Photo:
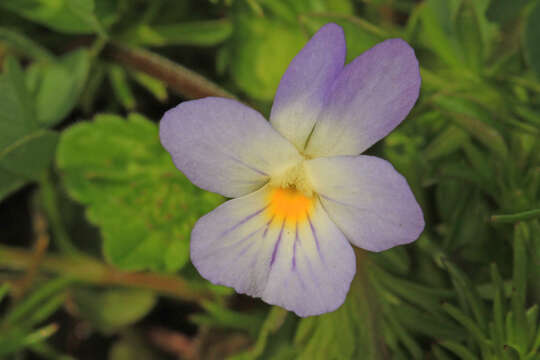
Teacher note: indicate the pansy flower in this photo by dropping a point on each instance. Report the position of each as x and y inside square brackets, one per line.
[302, 193]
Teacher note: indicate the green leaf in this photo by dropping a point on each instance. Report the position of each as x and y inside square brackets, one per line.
[476, 121]
[469, 33]
[25, 149]
[467, 323]
[46, 351]
[439, 30]
[350, 332]
[417, 294]
[17, 340]
[121, 87]
[9, 183]
[218, 316]
[112, 310]
[274, 321]
[55, 88]
[132, 346]
[151, 84]
[534, 262]
[4, 290]
[447, 142]
[404, 337]
[465, 289]
[458, 32]
[439, 353]
[532, 39]
[340, 6]
[513, 218]
[144, 206]
[31, 304]
[68, 16]
[359, 34]
[283, 10]
[397, 260]
[532, 322]
[24, 44]
[44, 311]
[488, 32]
[479, 162]
[418, 321]
[108, 13]
[198, 33]
[17, 117]
[59, 86]
[27, 156]
[499, 304]
[461, 351]
[93, 87]
[502, 11]
[262, 49]
[520, 331]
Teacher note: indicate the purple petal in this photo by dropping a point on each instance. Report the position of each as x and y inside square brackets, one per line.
[300, 94]
[367, 199]
[371, 96]
[224, 146]
[305, 267]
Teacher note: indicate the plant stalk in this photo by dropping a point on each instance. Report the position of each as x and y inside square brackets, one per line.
[179, 78]
[87, 270]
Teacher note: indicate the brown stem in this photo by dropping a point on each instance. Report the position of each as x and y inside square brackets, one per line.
[88, 270]
[180, 79]
[39, 224]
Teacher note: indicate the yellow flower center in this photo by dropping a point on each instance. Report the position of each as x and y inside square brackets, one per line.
[290, 206]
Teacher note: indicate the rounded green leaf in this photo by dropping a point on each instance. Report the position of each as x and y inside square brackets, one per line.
[143, 205]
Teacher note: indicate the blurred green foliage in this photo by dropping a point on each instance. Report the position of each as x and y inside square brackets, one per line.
[469, 288]
[27, 147]
[144, 207]
[108, 311]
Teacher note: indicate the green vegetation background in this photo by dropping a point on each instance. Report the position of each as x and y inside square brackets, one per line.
[95, 220]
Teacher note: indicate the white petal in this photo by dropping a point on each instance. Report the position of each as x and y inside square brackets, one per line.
[300, 96]
[369, 98]
[368, 200]
[224, 146]
[306, 266]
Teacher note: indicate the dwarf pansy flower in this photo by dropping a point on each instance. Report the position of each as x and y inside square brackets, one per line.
[301, 191]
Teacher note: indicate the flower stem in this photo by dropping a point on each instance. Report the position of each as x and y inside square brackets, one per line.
[511, 218]
[40, 247]
[87, 270]
[179, 78]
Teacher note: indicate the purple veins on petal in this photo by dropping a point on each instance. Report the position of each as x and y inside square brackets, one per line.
[244, 220]
[301, 190]
[245, 249]
[313, 231]
[268, 226]
[250, 167]
[276, 247]
[264, 269]
[294, 245]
